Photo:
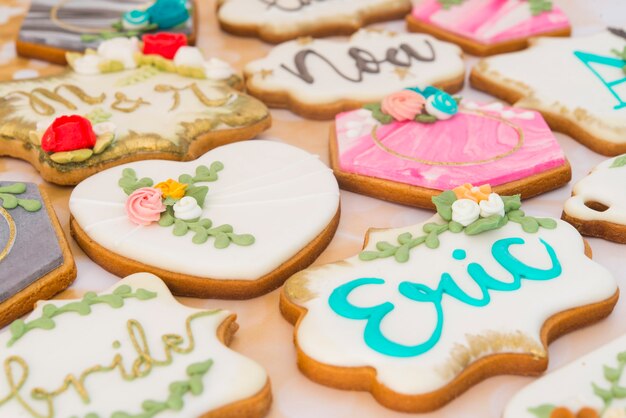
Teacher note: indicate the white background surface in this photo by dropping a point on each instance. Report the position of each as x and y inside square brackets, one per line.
[266, 337]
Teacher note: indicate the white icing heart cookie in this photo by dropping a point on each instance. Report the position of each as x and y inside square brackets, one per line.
[576, 83]
[104, 111]
[281, 20]
[598, 203]
[590, 387]
[320, 78]
[130, 351]
[235, 223]
[427, 311]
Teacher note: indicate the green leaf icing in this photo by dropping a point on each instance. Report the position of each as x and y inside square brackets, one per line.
[378, 114]
[443, 202]
[542, 411]
[202, 229]
[11, 201]
[115, 300]
[619, 162]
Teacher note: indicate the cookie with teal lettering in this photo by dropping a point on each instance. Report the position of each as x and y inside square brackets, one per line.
[53, 27]
[228, 225]
[576, 83]
[102, 112]
[589, 387]
[130, 351]
[598, 206]
[35, 258]
[425, 312]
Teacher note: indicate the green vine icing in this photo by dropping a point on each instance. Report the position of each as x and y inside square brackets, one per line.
[607, 392]
[98, 115]
[536, 6]
[619, 162]
[8, 195]
[443, 202]
[115, 300]
[192, 385]
[202, 228]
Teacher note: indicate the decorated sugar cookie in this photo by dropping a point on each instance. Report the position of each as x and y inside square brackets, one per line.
[426, 311]
[416, 143]
[488, 27]
[53, 27]
[229, 224]
[598, 203]
[127, 101]
[320, 78]
[576, 83]
[130, 351]
[590, 387]
[281, 20]
[35, 259]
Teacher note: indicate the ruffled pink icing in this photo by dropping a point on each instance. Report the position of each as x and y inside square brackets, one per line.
[144, 206]
[403, 105]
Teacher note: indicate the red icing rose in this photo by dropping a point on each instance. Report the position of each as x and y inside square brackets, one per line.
[144, 206]
[403, 105]
[164, 43]
[68, 133]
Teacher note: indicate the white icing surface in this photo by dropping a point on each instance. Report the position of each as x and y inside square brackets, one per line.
[260, 13]
[605, 185]
[282, 195]
[571, 385]
[77, 343]
[559, 82]
[331, 339]
[329, 87]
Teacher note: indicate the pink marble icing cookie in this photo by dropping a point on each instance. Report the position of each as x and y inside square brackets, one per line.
[408, 159]
[487, 27]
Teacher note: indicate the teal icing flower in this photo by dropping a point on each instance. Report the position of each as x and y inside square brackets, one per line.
[135, 19]
[168, 13]
[438, 103]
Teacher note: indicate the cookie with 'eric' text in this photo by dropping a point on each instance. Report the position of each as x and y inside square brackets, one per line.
[35, 258]
[488, 27]
[598, 204]
[102, 113]
[576, 83]
[129, 351]
[426, 311]
[282, 20]
[227, 225]
[319, 78]
[416, 143]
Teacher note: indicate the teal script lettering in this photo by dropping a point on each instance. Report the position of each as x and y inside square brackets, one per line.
[373, 334]
[589, 59]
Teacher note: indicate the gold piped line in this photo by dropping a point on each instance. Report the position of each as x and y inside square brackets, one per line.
[520, 142]
[12, 232]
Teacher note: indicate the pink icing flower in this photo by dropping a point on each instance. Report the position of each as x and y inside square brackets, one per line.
[144, 206]
[403, 105]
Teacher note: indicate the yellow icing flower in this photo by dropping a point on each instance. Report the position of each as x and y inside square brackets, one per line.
[172, 188]
[477, 194]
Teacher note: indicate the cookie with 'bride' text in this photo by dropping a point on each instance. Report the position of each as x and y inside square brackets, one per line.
[424, 312]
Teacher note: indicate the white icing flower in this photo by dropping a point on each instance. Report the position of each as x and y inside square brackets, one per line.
[189, 56]
[465, 211]
[104, 127]
[216, 69]
[187, 209]
[88, 64]
[120, 49]
[492, 206]
[614, 413]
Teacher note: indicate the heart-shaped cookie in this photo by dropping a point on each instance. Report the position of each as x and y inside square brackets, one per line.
[269, 211]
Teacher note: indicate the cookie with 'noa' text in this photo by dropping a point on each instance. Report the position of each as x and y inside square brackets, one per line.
[130, 351]
[282, 20]
[227, 225]
[426, 311]
[576, 83]
[318, 78]
[127, 101]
